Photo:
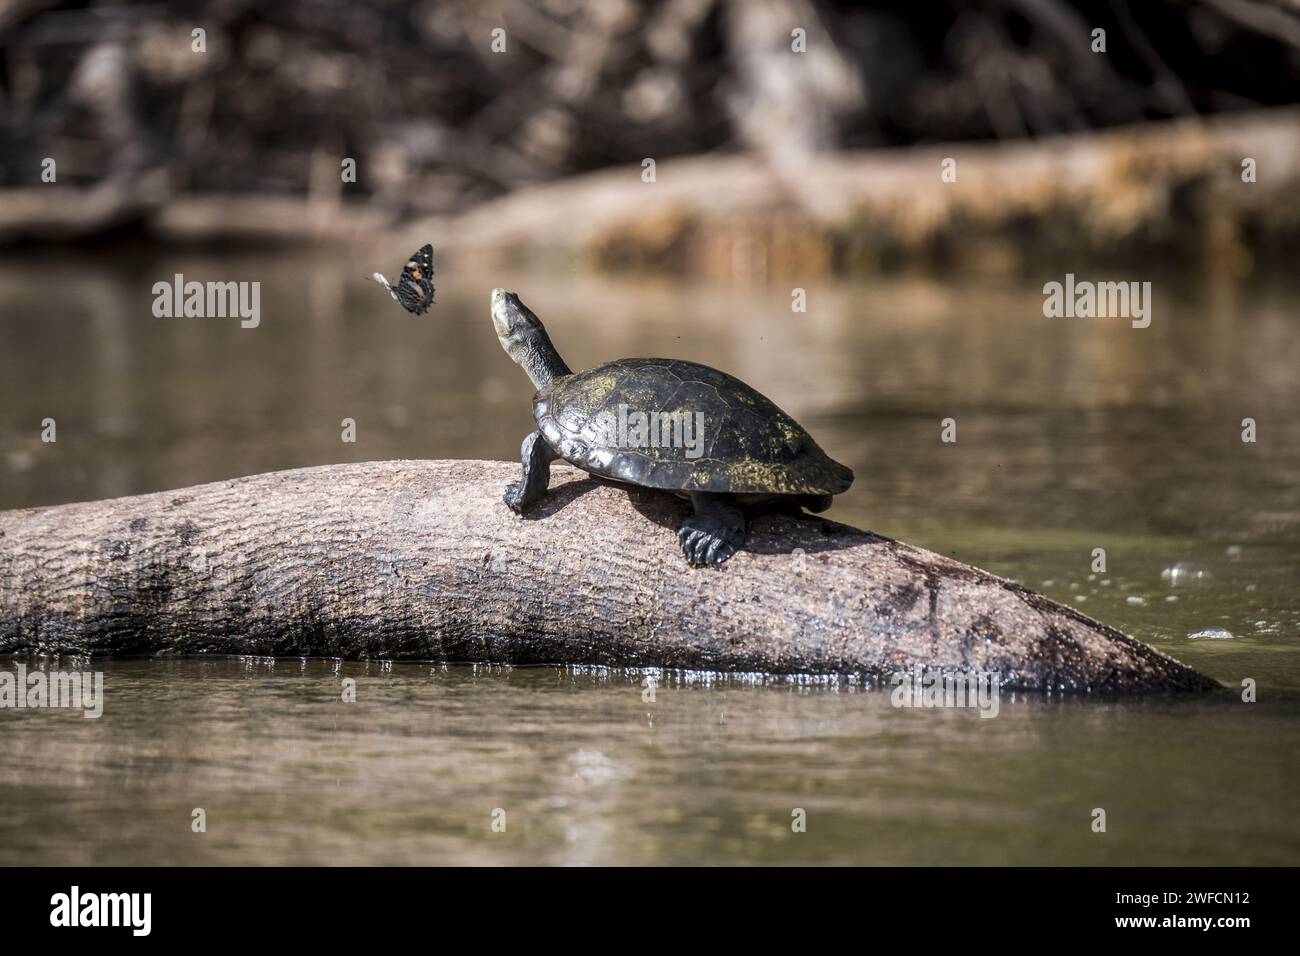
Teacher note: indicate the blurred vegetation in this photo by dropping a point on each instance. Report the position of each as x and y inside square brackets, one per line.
[438, 121]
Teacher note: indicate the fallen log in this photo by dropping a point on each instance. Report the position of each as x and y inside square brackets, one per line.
[421, 560]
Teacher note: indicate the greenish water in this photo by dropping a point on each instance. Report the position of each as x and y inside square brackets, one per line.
[588, 772]
[1072, 435]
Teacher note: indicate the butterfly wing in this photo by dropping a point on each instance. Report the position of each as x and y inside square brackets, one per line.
[415, 288]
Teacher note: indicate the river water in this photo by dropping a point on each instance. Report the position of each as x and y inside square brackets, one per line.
[1072, 435]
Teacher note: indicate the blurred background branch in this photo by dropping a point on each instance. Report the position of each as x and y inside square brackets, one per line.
[440, 123]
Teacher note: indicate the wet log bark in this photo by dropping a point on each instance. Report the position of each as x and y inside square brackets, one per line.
[421, 560]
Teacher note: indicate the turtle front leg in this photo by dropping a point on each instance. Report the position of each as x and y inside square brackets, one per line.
[537, 457]
[715, 531]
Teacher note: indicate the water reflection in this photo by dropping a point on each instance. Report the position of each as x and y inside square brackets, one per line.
[587, 772]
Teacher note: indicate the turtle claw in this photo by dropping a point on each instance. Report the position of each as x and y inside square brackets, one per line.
[706, 546]
[514, 497]
[714, 532]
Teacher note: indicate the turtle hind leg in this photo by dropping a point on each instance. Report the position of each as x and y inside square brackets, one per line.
[537, 457]
[715, 531]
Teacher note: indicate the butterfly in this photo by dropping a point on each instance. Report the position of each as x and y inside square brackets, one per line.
[414, 290]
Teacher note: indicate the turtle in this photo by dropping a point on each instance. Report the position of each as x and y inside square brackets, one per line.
[667, 424]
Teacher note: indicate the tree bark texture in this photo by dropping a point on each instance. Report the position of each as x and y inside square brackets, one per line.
[421, 560]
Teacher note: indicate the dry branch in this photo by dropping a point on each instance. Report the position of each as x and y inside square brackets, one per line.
[421, 560]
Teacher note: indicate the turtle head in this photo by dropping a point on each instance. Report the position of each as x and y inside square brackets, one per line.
[511, 318]
[524, 338]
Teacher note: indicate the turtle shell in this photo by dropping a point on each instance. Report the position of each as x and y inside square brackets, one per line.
[681, 426]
